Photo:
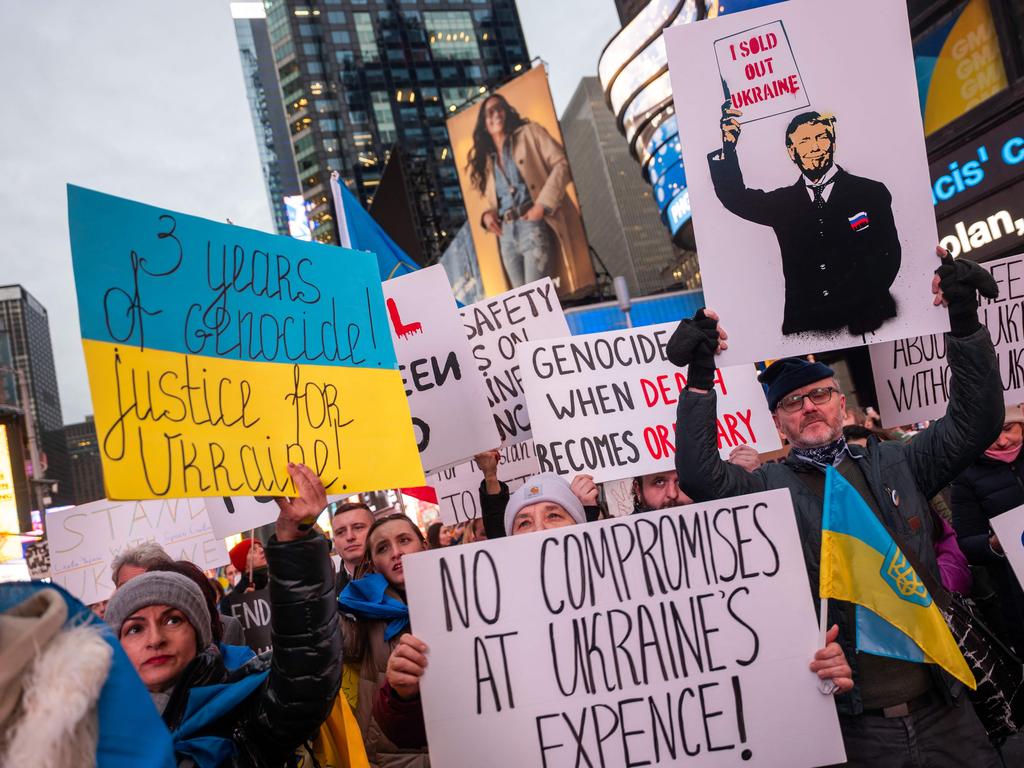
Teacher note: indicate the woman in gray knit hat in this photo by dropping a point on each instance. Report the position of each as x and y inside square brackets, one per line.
[223, 709]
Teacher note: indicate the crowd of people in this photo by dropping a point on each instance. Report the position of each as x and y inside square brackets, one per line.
[343, 651]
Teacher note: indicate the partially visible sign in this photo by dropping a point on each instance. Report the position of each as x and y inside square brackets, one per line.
[237, 514]
[458, 487]
[496, 327]
[37, 558]
[445, 388]
[84, 540]
[10, 526]
[912, 377]
[679, 637]
[988, 228]
[1009, 527]
[604, 404]
[253, 612]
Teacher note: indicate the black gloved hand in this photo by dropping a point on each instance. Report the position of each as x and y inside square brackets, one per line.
[694, 343]
[960, 281]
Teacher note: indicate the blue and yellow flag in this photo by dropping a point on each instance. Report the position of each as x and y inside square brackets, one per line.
[861, 564]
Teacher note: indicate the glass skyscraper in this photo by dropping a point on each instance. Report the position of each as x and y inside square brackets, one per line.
[359, 76]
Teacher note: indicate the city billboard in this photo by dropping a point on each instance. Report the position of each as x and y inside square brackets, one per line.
[520, 200]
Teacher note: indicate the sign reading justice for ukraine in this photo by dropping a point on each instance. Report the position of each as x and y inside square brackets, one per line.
[219, 354]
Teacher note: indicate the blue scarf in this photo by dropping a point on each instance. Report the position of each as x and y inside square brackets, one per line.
[822, 456]
[366, 599]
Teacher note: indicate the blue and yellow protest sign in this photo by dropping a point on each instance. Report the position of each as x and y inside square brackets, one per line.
[218, 354]
[862, 564]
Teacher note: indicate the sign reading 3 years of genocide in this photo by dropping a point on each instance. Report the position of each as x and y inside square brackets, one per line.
[218, 354]
[912, 375]
[679, 637]
[605, 404]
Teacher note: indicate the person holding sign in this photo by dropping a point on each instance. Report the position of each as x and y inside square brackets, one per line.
[374, 615]
[220, 711]
[897, 706]
[838, 240]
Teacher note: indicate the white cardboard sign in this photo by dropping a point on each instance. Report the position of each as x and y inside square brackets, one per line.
[789, 275]
[645, 640]
[758, 69]
[496, 327]
[445, 388]
[85, 539]
[240, 514]
[912, 375]
[604, 404]
[1009, 527]
[458, 487]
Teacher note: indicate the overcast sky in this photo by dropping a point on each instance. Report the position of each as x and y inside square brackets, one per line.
[145, 100]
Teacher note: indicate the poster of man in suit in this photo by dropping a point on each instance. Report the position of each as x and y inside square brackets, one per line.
[807, 174]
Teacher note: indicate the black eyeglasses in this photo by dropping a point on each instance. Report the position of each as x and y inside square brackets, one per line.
[818, 396]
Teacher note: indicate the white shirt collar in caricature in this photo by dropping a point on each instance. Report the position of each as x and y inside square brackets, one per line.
[823, 180]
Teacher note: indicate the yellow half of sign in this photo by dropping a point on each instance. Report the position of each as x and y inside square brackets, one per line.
[174, 425]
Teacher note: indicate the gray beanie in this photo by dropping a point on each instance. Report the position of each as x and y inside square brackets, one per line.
[162, 588]
[546, 486]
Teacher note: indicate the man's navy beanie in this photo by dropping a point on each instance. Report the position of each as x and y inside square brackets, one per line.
[789, 373]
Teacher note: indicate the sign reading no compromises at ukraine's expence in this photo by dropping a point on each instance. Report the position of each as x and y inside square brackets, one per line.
[680, 637]
[219, 354]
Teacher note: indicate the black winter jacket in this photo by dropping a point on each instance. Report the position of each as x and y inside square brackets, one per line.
[984, 490]
[305, 665]
[914, 471]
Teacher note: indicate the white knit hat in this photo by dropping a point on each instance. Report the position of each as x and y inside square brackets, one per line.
[546, 486]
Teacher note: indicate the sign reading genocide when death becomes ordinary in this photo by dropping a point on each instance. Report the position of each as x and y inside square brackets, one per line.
[912, 375]
[84, 540]
[670, 638]
[218, 354]
[604, 404]
[496, 327]
[444, 386]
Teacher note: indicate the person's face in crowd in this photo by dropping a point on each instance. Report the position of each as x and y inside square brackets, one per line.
[159, 642]
[257, 557]
[445, 536]
[388, 544]
[128, 572]
[812, 425]
[100, 608]
[1010, 438]
[494, 116]
[812, 149]
[540, 517]
[660, 491]
[350, 530]
[231, 574]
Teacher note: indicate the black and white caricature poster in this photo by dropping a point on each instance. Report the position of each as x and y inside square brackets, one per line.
[805, 158]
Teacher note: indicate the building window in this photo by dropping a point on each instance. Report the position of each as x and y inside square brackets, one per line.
[336, 17]
[341, 37]
[367, 38]
[383, 116]
[455, 97]
[451, 35]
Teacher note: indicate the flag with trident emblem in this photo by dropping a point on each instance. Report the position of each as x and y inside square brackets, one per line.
[861, 564]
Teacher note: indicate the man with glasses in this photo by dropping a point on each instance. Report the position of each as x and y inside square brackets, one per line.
[898, 713]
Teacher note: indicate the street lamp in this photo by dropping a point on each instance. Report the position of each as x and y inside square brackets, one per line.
[622, 296]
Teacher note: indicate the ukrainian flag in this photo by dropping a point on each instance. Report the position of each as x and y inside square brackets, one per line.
[861, 564]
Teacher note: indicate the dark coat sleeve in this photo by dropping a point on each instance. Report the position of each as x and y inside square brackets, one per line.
[492, 509]
[703, 475]
[971, 523]
[973, 417]
[305, 673]
[753, 205]
[400, 719]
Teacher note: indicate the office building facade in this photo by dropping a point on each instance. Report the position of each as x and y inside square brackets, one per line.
[28, 331]
[358, 77]
[84, 459]
[618, 207]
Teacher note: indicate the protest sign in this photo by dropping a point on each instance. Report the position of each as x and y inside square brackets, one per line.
[37, 558]
[680, 636]
[496, 327]
[445, 388]
[252, 609]
[84, 540]
[912, 375]
[458, 487]
[759, 72]
[604, 404]
[218, 354]
[239, 514]
[854, 249]
[1009, 527]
